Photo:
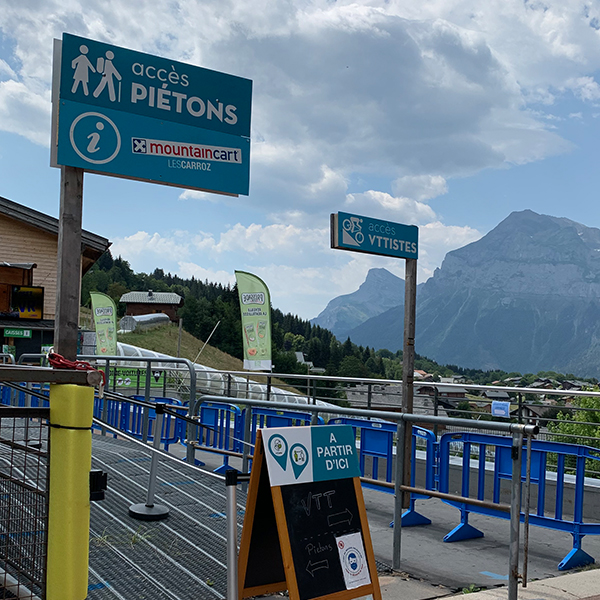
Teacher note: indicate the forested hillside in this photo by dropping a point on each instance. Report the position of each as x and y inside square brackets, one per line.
[207, 304]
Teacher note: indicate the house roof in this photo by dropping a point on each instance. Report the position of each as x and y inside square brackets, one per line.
[25, 266]
[92, 245]
[151, 297]
[36, 324]
[442, 389]
[496, 394]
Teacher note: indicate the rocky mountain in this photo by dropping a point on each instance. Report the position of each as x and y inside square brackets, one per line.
[525, 297]
[380, 291]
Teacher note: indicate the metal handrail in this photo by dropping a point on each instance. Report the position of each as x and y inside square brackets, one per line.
[398, 382]
[149, 360]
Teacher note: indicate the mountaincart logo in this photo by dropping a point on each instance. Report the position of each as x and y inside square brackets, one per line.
[104, 311]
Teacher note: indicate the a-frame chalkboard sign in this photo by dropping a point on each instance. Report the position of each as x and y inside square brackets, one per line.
[305, 528]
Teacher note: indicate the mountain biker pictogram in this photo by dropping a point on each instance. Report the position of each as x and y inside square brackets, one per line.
[352, 231]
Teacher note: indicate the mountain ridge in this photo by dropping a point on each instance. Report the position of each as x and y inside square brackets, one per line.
[380, 291]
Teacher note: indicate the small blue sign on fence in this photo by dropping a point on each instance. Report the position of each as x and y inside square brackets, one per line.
[500, 409]
[374, 236]
[139, 116]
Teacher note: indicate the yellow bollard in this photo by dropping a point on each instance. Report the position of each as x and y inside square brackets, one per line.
[71, 411]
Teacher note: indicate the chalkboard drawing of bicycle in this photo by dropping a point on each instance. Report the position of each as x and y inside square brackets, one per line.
[352, 231]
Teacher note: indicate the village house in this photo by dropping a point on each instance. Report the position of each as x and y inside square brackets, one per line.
[28, 275]
[144, 303]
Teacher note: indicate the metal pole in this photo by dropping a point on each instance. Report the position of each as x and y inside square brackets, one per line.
[398, 473]
[520, 409]
[515, 515]
[408, 357]
[246, 445]
[28, 386]
[369, 395]
[104, 400]
[156, 445]
[527, 508]
[146, 411]
[190, 450]
[179, 338]
[436, 406]
[151, 511]
[232, 551]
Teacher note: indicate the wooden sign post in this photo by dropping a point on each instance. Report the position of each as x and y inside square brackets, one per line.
[305, 528]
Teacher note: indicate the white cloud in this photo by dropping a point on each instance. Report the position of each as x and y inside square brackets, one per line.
[420, 187]
[386, 206]
[187, 270]
[585, 88]
[284, 240]
[151, 248]
[390, 88]
[6, 71]
[436, 240]
[23, 112]
[202, 196]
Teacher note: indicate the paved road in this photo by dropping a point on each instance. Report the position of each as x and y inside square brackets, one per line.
[481, 562]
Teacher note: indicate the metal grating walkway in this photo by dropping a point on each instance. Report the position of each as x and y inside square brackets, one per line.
[179, 558]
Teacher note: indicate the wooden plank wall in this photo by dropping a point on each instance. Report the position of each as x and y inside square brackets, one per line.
[21, 243]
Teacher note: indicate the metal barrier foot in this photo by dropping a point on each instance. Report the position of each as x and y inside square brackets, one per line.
[411, 518]
[223, 468]
[143, 512]
[461, 532]
[576, 558]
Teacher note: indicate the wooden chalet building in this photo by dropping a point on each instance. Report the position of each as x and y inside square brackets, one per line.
[28, 275]
[144, 303]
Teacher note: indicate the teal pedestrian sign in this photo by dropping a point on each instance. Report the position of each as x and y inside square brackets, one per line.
[305, 454]
[374, 236]
[134, 115]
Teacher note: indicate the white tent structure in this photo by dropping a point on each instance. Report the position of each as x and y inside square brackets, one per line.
[211, 382]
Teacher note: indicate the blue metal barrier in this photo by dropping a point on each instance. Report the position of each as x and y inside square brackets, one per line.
[271, 417]
[115, 416]
[500, 447]
[223, 420]
[411, 517]
[132, 420]
[376, 441]
[9, 396]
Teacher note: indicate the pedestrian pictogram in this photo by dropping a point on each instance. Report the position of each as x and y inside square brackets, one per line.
[105, 71]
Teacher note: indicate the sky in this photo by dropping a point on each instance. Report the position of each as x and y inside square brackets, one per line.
[446, 114]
